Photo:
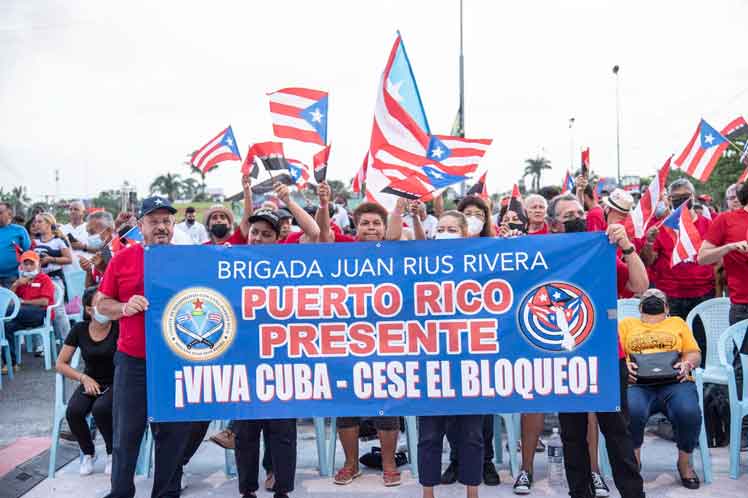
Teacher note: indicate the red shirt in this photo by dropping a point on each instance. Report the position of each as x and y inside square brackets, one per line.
[685, 279]
[40, 286]
[596, 220]
[622, 278]
[542, 231]
[730, 227]
[295, 237]
[237, 238]
[122, 280]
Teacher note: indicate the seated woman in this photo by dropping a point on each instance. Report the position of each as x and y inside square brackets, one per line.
[676, 398]
[96, 337]
[466, 430]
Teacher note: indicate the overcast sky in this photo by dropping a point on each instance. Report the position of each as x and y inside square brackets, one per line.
[114, 91]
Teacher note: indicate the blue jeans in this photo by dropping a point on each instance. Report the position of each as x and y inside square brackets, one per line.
[678, 402]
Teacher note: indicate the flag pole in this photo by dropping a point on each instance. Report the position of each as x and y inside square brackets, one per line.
[461, 112]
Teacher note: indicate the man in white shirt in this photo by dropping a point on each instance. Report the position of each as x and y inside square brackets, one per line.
[76, 232]
[194, 229]
[427, 221]
[340, 216]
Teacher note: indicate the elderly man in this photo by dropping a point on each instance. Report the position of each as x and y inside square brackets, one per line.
[566, 215]
[686, 284]
[75, 231]
[13, 238]
[193, 228]
[731, 197]
[121, 298]
[100, 229]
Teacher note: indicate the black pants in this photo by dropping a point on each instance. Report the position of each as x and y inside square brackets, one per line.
[281, 440]
[80, 405]
[29, 316]
[614, 426]
[266, 458]
[681, 307]
[467, 431]
[487, 428]
[173, 440]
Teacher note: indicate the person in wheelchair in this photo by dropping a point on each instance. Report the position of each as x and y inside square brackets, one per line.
[96, 336]
[661, 352]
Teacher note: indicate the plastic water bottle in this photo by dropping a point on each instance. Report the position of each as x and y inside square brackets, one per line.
[556, 474]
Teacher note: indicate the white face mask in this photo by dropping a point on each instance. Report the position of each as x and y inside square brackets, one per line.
[29, 274]
[447, 235]
[94, 242]
[475, 225]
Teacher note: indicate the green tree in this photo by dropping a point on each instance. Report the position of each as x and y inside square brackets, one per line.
[534, 168]
[191, 188]
[340, 188]
[169, 185]
[17, 197]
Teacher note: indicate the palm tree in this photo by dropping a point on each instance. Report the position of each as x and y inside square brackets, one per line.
[169, 185]
[534, 168]
[191, 188]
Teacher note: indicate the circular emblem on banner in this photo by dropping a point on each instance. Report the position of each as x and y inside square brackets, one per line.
[556, 316]
[199, 324]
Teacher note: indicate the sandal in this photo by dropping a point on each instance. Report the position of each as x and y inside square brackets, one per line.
[391, 478]
[346, 476]
[690, 482]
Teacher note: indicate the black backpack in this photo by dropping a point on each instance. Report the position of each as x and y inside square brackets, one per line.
[717, 415]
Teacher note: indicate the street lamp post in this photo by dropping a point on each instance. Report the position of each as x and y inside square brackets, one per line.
[571, 144]
[616, 69]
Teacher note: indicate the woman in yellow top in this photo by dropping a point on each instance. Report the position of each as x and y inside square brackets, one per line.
[656, 332]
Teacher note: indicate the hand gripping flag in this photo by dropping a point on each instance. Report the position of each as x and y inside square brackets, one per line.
[479, 188]
[299, 114]
[221, 148]
[132, 236]
[685, 235]
[299, 172]
[702, 152]
[320, 164]
[643, 212]
[568, 185]
[271, 156]
[516, 205]
[586, 162]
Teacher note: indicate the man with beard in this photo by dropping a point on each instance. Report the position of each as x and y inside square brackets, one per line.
[219, 220]
[121, 298]
[193, 228]
[566, 215]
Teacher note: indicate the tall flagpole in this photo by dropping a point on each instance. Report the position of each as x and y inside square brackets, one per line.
[461, 112]
[617, 68]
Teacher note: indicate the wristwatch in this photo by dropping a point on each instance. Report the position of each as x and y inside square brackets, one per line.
[628, 251]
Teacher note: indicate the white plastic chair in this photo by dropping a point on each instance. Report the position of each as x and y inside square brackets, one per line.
[75, 281]
[715, 315]
[61, 406]
[7, 298]
[628, 308]
[45, 331]
[733, 338]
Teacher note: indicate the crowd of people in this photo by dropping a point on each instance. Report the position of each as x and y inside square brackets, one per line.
[111, 337]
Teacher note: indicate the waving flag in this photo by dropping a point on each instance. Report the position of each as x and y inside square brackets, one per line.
[360, 178]
[744, 177]
[568, 185]
[299, 172]
[132, 236]
[457, 151]
[644, 211]
[685, 235]
[586, 162]
[516, 205]
[702, 152]
[299, 114]
[735, 129]
[221, 148]
[320, 164]
[479, 189]
[273, 159]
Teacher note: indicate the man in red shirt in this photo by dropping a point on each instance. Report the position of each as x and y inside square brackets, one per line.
[686, 284]
[566, 215]
[586, 196]
[36, 291]
[121, 298]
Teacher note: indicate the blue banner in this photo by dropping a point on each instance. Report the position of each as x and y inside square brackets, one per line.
[394, 328]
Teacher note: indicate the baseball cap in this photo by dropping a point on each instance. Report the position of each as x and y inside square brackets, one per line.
[653, 292]
[620, 200]
[268, 216]
[151, 204]
[29, 255]
[283, 214]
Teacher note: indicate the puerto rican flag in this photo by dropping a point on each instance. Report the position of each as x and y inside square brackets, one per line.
[299, 173]
[299, 114]
[744, 177]
[360, 178]
[686, 236]
[220, 148]
[644, 211]
[568, 185]
[131, 237]
[548, 297]
[702, 152]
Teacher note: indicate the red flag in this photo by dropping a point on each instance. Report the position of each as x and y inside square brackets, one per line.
[320, 164]
[479, 188]
[270, 152]
[586, 162]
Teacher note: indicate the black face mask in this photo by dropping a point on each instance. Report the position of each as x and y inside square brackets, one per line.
[517, 226]
[219, 230]
[653, 305]
[190, 222]
[680, 200]
[575, 226]
[742, 195]
[37, 235]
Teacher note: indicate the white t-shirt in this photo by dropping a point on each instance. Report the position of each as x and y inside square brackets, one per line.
[53, 248]
[81, 235]
[196, 231]
[341, 217]
[180, 238]
[429, 224]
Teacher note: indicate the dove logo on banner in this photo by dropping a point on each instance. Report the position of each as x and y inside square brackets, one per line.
[556, 317]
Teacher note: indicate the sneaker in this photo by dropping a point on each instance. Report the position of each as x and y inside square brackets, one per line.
[225, 439]
[598, 484]
[490, 476]
[183, 483]
[523, 484]
[108, 467]
[87, 465]
[450, 474]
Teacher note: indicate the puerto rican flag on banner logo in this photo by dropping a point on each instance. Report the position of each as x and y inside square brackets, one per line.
[702, 152]
[299, 114]
[685, 235]
[221, 148]
[644, 211]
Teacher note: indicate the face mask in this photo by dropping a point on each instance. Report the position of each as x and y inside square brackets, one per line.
[660, 209]
[94, 242]
[102, 319]
[653, 305]
[575, 226]
[447, 235]
[680, 200]
[475, 225]
[29, 274]
[516, 226]
[219, 230]
[190, 222]
[37, 235]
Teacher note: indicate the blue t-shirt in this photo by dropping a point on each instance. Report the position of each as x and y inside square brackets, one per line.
[10, 236]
